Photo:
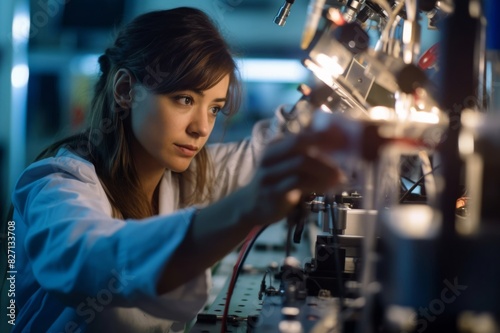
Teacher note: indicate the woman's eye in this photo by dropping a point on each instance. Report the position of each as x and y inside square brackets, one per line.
[184, 100]
[215, 110]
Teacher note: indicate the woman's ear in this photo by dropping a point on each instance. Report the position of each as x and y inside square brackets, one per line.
[122, 87]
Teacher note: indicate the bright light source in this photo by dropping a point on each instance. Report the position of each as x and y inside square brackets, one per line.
[272, 70]
[19, 76]
[325, 108]
[21, 27]
[290, 326]
[319, 72]
[416, 221]
[424, 117]
[466, 143]
[407, 32]
[252, 70]
[381, 113]
[290, 311]
[336, 16]
[330, 64]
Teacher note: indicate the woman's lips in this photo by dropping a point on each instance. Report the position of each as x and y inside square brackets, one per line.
[187, 150]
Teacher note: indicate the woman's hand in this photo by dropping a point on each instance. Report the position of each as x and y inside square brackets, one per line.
[291, 166]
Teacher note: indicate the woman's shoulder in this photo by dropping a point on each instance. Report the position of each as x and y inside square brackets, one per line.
[64, 162]
[59, 178]
[71, 158]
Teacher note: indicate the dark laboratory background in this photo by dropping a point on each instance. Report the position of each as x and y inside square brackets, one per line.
[48, 64]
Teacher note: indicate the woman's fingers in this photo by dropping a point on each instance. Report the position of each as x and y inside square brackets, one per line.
[292, 166]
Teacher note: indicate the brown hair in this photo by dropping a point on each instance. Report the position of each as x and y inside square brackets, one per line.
[166, 51]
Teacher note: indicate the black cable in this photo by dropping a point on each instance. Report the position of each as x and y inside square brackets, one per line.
[417, 183]
[294, 219]
[403, 186]
[408, 179]
[250, 245]
[262, 286]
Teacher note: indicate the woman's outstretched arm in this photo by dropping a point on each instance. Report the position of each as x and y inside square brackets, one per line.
[290, 166]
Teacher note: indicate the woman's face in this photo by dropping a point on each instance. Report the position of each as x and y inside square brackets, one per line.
[171, 129]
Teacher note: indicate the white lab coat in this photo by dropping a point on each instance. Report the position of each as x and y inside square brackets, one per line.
[80, 270]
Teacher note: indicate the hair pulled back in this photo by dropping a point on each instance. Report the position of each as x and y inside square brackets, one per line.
[165, 51]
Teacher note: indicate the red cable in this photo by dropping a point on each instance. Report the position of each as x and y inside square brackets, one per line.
[245, 247]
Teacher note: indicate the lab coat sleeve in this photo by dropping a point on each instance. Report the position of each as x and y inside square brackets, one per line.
[236, 162]
[78, 251]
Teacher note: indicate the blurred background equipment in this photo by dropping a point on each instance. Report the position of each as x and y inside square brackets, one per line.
[410, 243]
[48, 64]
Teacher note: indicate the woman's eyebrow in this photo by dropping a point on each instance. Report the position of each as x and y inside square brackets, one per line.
[222, 99]
[202, 94]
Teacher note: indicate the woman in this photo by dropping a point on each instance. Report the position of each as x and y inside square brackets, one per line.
[107, 220]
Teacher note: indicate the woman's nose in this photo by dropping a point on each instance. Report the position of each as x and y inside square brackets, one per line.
[199, 124]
